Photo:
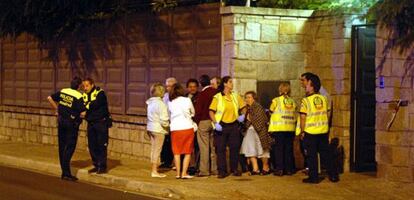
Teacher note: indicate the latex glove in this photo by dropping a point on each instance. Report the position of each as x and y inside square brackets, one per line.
[241, 118]
[218, 127]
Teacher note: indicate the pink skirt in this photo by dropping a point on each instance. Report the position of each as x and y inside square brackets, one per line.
[182, 141]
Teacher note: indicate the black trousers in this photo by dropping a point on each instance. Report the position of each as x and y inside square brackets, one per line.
[303, 151]
[283, 151]
[229, 136]
[98, 143]
[67, 139]
[166, 152]
[315, 144]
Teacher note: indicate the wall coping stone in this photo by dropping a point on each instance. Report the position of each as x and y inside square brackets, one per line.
[294, 13]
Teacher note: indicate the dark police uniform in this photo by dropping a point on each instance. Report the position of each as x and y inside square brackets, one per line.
[70, 105]
[97, 115]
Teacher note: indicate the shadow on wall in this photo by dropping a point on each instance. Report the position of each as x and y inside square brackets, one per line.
[110, 40]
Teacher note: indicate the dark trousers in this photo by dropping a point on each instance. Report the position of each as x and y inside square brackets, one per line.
[67, 139]
[315, 144]
[229, 136]
[283, 151]
[98, 143]
[166, 152]
[303, 151]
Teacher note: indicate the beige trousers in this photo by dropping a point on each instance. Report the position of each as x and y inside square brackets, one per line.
[157, 141]
[205, 141]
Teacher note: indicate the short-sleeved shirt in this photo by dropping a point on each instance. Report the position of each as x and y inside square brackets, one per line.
[69, 105]
[229, 115]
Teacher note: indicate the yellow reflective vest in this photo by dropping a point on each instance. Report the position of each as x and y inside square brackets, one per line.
[220, 105]
[283, 117]
[93, 96]
[316, 114]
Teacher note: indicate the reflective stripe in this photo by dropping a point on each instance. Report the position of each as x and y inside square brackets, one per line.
[283, 123]
[93, 95]
[316, 124]
[71, 92]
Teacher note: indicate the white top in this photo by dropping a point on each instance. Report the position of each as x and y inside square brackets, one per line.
[157, 116]
[181, 111]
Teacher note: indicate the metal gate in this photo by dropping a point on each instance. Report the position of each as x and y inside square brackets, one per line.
[363, 98]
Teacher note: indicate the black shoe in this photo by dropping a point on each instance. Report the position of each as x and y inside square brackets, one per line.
[221, 175]
[310, 180]
[264, 172]
[334, 179]
[236, 173]
[253, 173]
[101, 171]
[289, 173]
[93, 170]
[69, 178]
[278, 173]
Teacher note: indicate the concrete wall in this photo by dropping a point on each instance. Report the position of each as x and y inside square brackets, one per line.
[395, 147]
[127, 139]
[261, 44]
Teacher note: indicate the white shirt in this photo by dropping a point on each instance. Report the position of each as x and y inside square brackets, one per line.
[181, 111]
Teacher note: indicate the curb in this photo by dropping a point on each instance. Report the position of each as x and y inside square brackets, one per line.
[101, 179]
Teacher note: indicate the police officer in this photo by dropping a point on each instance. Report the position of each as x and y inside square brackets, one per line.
[70, 106]
[314, 125]
[99, 121]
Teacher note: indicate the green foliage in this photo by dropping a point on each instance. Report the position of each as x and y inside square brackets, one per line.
[398, 16]
[327, 5]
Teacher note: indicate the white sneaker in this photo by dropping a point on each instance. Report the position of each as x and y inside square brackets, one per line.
[157, 175]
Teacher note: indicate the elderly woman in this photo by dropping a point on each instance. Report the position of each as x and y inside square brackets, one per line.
[282, 127]
[182, 128]
[257, 141]
[157, 125]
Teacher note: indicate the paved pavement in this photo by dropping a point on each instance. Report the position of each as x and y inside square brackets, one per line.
[22, 184]
[133, 175]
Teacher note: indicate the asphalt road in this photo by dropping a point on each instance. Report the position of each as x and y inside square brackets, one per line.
[17, 184]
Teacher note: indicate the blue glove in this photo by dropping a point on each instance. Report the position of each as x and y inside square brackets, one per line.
[241, 118]
[218, 127]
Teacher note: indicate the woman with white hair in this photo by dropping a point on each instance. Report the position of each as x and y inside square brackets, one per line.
[157, 125]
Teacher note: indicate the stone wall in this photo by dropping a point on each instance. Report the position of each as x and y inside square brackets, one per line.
[262, 44]
[127, 137]
[395, 147]
[327, 44]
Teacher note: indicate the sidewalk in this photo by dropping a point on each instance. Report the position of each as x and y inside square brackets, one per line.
[134, 175]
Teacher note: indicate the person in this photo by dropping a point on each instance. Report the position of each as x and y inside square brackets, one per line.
[282, 127]
[215, 82]
[304, 80]
[69, 107]
[205, 138]
[169, 82]
[225, 110]
[192, 89]
[98, 118]
[314, 125]
[182, 129]
[192, 93]
[166, 152]
[157, 125]
[257, 141]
